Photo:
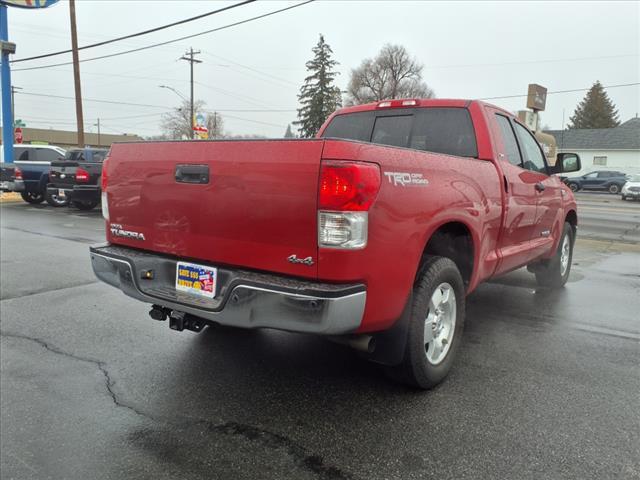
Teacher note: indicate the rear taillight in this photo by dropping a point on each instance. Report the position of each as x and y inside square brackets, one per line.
[17, 173]
[82, 176]
[103, 178]
[346, 192]
[348, 186]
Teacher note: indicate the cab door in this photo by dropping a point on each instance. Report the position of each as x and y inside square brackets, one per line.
[519, 218]
[549, 219]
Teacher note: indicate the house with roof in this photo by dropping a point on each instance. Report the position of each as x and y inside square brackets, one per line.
[615, 148]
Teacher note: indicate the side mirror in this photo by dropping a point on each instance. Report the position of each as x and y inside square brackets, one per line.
[566, 163]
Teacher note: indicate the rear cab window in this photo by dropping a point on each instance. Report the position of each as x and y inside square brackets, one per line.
[446, 130]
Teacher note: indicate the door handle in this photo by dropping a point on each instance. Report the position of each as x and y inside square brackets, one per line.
[540, 187]
[192, 174]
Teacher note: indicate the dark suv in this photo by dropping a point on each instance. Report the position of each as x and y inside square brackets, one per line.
[606, 180]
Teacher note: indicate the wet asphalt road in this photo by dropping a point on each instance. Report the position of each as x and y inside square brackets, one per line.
[546, 384]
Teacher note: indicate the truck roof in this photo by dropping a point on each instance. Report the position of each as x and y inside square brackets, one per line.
[412, 103]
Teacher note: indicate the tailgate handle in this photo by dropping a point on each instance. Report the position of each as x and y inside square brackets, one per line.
[192, 174]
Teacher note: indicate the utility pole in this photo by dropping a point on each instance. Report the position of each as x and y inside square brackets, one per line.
[189, 57]
[13, 104]
[98, 125]
[76, 72]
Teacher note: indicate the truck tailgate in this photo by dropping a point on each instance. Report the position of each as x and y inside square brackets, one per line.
[257, 208]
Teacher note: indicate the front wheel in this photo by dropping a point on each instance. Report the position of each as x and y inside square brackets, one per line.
[85, 205]
[56, 200]
[555, 271]
[613, 188]
[574, 187]
[624, 198]
[435, 326]
[32, 197]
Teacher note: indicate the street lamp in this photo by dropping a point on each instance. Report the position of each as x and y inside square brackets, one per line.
[174, 91]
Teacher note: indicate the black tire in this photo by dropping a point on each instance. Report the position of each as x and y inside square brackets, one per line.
[614, 188]
[56, 201]
[624, 198]
[85, 205]
[32, 197]
[573, 186]
[416, 369]
[549, 273]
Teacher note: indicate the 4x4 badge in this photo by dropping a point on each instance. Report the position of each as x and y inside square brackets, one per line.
[304, 261]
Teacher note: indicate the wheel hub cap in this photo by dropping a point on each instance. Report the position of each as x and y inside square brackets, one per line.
[440, 324]
[564, 255]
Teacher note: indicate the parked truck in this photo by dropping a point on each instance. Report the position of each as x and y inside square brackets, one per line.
[75, 179]
[371, 234]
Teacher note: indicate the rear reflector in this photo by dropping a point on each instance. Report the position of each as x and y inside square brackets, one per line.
[349, 186]
[346, 230]
[82, 175]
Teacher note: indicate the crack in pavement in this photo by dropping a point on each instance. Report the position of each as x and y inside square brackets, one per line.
[299, 454]
[39, 292]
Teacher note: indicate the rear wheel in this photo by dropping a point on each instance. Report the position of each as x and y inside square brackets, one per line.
[84, 205]
[435, 326]
[614, 188]
[32, 197]
[555, 272]
[56, 200]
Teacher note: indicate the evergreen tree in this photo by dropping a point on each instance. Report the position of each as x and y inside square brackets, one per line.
[289, 133]
[319, 97]
[595, 111]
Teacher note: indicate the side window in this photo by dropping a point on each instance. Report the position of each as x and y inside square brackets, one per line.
[509, 139]
[604, 175]
[47, 155]
[99, 156]
[444, 130]
[394, 131]
[21, 154]
[533, 157]
[353, 126]
[591, 175]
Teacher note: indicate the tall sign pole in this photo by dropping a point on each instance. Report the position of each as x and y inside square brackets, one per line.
[76, 73]
[7, 48]
[189, 57]
[5, 71]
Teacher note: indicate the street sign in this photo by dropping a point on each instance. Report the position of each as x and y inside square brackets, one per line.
[29, 3]
[18, 135]
[536, 97]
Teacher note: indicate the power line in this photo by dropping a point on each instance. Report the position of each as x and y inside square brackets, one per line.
[525, 62]
[113, 102]
[170, 41]
[561, 91]
[138, 34]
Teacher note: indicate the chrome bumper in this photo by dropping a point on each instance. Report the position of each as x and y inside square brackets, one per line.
[244, 299]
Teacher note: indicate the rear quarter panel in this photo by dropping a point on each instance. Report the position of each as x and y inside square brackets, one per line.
[403, 218]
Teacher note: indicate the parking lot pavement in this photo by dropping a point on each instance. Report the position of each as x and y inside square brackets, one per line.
[607, 217]
[545, 386]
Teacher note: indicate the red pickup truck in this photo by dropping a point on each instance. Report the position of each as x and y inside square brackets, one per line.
[372, 234]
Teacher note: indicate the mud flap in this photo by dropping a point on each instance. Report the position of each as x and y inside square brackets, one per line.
[390, 344]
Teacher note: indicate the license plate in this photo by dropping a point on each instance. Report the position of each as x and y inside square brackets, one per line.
[4, 185]
[61, 193]
[196, 279]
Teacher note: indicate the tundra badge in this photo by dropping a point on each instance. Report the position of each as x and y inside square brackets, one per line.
[117, 231]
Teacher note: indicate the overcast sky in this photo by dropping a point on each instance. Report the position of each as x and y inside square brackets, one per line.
[469, 50]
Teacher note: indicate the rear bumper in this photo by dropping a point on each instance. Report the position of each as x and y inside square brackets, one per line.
[243, 299]
[12, 186]
[80, 193]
